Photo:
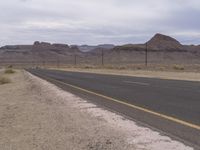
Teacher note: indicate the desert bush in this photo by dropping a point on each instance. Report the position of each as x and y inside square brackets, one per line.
[4, 80]
[138, 68]
[9, 71]
[10, 66]
[88, 67]
[109, 67]
[178, 67]
[121, 68]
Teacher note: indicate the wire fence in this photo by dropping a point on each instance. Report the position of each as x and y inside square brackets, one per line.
[117, 59]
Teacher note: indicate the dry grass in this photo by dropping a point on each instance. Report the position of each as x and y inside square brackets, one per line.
[9, 71]
[178, 67]
[4, 80]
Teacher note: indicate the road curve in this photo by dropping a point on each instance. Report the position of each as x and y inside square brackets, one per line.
[170, 106]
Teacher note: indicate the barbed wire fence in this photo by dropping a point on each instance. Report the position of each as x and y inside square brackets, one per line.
[119, 59]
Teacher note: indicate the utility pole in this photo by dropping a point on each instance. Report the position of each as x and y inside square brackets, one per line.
[32, 64]
[102, 57]
[44, 63]
[58, 63]
[146, 53]
[75, 59]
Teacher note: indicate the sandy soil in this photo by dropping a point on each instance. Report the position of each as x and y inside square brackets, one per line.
[178, 75]
[36, 115]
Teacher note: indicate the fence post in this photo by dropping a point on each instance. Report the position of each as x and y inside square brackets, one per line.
[102, 57]
[146, 53]
[58, 63]
[44, 63]
[75, 59]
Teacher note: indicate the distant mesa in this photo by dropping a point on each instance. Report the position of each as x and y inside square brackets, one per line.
[48, 46]
[163, 42]
[41, 45]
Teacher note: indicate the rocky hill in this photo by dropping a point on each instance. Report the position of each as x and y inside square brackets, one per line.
[159, 42]
[163, 42]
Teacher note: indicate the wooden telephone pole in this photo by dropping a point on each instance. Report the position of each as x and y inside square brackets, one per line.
[75, 59]
[146, 54]
[102, 57]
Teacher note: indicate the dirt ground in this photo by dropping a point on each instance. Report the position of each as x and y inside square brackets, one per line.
[36, 115]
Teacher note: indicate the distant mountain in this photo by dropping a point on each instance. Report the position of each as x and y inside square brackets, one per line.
[106, 46]
[16, 47]
[162, 47]
[88, 48]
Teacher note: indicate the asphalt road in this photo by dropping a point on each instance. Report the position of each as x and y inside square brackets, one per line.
[169, 98]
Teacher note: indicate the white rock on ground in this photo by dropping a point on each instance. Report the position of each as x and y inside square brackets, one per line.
[36, 115]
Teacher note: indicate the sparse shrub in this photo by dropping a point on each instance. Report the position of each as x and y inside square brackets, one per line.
[88, 67]
[10, 66]
[139, 68]
[122, 68]
[9, 71]
[162, 68]
[4, 80]
[178, 67]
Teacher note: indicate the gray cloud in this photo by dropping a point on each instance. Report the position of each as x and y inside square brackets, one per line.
[95, 22]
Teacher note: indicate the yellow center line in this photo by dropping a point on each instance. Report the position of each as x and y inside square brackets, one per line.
[132, 106]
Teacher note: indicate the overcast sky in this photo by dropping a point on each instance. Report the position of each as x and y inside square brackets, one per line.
[98, 21]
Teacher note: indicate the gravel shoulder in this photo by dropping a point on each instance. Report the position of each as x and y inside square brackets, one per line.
[36, 115]
[176, 75]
